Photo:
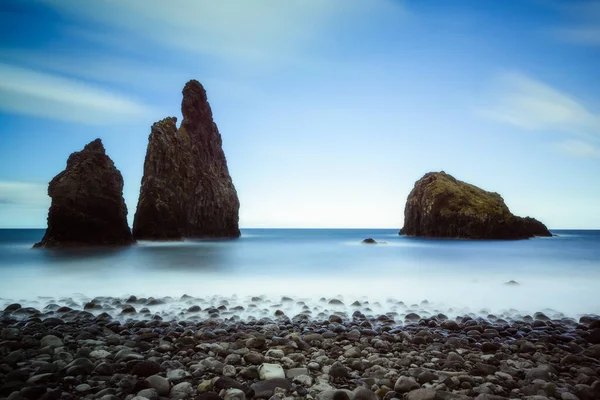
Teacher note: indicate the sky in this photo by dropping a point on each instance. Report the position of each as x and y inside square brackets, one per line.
[329, 110]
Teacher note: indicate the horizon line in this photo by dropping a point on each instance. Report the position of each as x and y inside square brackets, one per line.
[331, 228]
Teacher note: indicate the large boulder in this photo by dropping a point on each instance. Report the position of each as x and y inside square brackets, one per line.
[87, 206]
[186, 190]
[441, 206]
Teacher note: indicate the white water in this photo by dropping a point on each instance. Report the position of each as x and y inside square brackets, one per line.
[561, 273]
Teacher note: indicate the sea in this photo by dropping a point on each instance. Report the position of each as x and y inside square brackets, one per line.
[559, 275]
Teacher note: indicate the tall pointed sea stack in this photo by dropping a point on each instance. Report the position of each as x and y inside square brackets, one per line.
[87, 206]
[441, 206]
[187, 191]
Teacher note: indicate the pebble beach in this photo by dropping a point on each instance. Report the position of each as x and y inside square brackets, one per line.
[290, 349]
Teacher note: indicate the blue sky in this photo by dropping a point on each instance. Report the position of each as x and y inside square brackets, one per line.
[330, 110]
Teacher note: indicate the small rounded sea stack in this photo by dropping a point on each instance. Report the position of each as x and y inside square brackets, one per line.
[441, 206]
[87, 206]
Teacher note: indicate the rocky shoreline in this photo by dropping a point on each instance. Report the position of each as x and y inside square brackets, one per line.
[110, 348]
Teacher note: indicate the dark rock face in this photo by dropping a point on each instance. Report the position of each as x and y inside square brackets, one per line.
[87, 206]
[186, 188]
[441, 206]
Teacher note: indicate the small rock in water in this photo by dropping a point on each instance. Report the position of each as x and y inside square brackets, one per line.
[128, 309]
[412, 317]
[369, 241]
[12, 307]
[512, 283]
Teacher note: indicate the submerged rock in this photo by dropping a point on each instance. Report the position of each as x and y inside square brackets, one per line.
[87, 206]
[186, 190]
[372, 241]
[441, 206]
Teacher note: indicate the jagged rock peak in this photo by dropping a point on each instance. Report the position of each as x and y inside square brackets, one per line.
[95, 145]
[87, 207]
[440, 205]
[186, 190]
[194, 98]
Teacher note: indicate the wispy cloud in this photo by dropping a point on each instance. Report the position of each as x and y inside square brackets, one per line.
[578, 148]
[23, 204]
[30, 92]
[531, 105]
[535, 106]
[152, 47]
[93, 67]
[29, 195]
[252, 32]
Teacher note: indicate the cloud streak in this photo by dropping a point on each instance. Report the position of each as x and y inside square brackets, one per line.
[122, 41]
[40, 94]
[578, 148]
[531, 105]
[262, 32]
[29, 195]
[104, 69]
[535, 106]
